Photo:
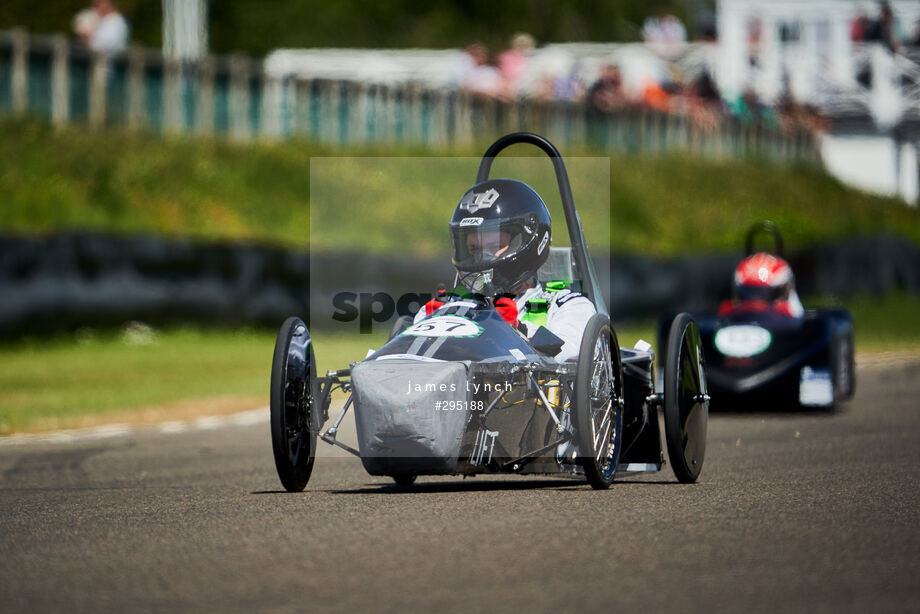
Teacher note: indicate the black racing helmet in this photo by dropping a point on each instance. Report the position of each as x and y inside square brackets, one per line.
[500, 235]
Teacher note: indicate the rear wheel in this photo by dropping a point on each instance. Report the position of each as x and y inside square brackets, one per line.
[599, 402]
[686, 399]
[293, 374]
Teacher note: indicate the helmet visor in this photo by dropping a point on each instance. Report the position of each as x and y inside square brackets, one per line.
[477, 247]
[761, 293]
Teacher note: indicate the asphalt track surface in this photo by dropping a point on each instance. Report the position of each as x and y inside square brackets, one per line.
[812, 512]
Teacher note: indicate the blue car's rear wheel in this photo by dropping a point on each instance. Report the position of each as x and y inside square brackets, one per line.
[686, 399]
[599, 402]
[293, 374]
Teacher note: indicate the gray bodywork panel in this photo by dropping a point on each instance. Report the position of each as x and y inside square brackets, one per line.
[401, 425]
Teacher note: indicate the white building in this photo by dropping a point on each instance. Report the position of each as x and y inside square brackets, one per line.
[807, 46]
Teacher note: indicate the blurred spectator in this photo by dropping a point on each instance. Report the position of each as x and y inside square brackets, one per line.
[479, 76]
[655, 96]
[569, 87]
[882, 30]
[754, 32]
[657, 85]
[664, 33]
[606, 94]
[85, 23]
[512, 63]
[563, 85]
[700, 101]
[705, 88]
[814, 121]
[111, 33]
[708, 33]
[749, 109]
[859, 27]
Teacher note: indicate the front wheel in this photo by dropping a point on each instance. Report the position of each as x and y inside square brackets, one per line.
[404, 480]
[843, 362]
[599, 402]
[292, 406]
[686, 399]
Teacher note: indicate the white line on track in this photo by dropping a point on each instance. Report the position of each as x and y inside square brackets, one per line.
[205, 423]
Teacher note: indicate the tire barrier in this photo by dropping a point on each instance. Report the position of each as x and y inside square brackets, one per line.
[73, 280]
[79, 279]
[859, 266]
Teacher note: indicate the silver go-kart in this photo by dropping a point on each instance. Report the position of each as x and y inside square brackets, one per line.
[462, 392]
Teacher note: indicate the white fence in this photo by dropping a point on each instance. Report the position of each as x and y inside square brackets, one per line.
[52, 78]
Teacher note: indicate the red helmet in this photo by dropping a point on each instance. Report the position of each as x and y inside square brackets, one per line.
[763, 277]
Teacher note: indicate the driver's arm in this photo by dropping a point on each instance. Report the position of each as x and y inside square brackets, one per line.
[567, 318]
[795, 305]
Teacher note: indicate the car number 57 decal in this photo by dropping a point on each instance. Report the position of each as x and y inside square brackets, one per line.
[445, 326]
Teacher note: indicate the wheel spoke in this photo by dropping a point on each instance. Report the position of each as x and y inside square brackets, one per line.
[598, 414]
[609, 364]
[593, 432]
[601, 434]
[603, 392]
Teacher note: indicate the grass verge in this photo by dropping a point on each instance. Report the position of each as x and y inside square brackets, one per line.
[56, 383]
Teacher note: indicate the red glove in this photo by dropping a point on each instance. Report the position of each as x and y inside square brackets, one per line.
[432, 306]
[507, 309]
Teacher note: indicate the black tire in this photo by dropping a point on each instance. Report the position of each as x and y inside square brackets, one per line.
[401, 324]
[293, 375]
[599, 402]
[404, 481]
[850, 390]
[686, 399]
[844, 364]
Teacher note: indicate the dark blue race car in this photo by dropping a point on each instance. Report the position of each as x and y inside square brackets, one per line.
[764, 350]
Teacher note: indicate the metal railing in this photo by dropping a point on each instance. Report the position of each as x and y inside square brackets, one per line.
[51, 77]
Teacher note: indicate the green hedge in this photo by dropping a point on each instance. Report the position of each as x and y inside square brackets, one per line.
[129, 183]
